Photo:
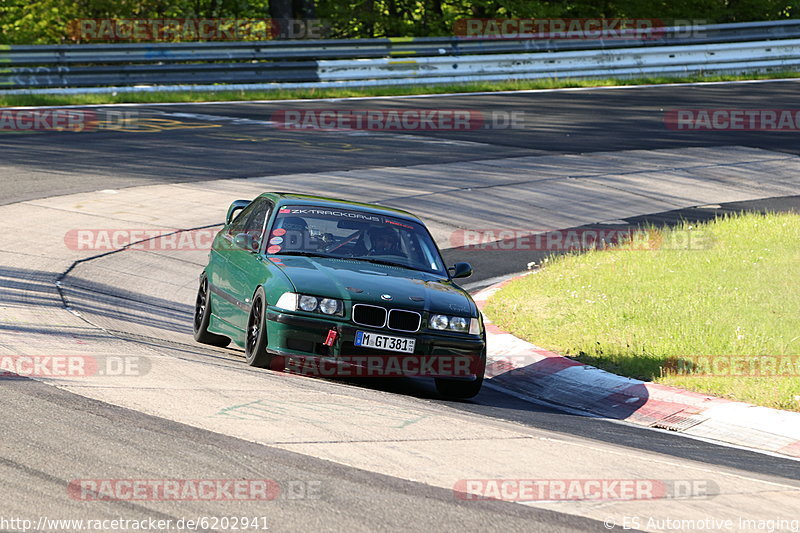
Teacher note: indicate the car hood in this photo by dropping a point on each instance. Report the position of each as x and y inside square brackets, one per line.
[363, 282]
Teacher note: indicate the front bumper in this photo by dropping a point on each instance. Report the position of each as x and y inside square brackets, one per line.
[445, 354]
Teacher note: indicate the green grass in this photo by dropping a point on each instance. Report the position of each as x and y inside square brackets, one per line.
[636, 312]
[207, 96]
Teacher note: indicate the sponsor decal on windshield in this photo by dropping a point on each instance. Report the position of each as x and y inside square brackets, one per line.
[395, 223]
[329, 212]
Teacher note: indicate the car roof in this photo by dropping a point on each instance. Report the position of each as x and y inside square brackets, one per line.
[285, 198]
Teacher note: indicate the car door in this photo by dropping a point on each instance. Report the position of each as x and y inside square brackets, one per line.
[223, 304]
[247, 267]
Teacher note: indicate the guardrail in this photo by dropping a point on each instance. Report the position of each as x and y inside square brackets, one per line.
[628, 62]
[755, 46]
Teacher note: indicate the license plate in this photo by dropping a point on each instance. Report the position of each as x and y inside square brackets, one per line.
[385, 342]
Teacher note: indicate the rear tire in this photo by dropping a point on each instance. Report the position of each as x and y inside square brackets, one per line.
[255, 347]
[202, 316]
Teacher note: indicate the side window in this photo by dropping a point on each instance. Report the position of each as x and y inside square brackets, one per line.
[255, 222]
[238, 224]
[251, 221]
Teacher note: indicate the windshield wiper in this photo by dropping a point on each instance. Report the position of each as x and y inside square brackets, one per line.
[382, 262]
[389, 263]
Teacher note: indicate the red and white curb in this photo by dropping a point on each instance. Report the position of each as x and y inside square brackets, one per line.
[530, 371]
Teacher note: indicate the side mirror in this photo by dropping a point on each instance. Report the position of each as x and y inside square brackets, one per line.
[238, 205]
[246, 241]
[461, 270]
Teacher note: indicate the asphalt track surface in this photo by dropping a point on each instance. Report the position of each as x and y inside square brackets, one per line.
[50, 431]
[178, 148]
[111, 439]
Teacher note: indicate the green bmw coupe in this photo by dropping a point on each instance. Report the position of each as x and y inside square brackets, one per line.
[326, 287]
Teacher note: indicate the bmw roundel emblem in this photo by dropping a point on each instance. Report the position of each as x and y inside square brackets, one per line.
[386, 296]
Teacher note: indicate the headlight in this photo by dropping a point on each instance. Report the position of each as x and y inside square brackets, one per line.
[308, 303]
[329, 306]
[454, 323]
[439, 322]
[458, 323]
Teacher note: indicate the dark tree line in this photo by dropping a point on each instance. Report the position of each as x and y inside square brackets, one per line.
[47, 21]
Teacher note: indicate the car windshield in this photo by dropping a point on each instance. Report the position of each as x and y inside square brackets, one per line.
[344, 233]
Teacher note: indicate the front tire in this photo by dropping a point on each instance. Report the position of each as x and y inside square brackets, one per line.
[457, 389]
[460, 389]
[202, 316]
[255, 347]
